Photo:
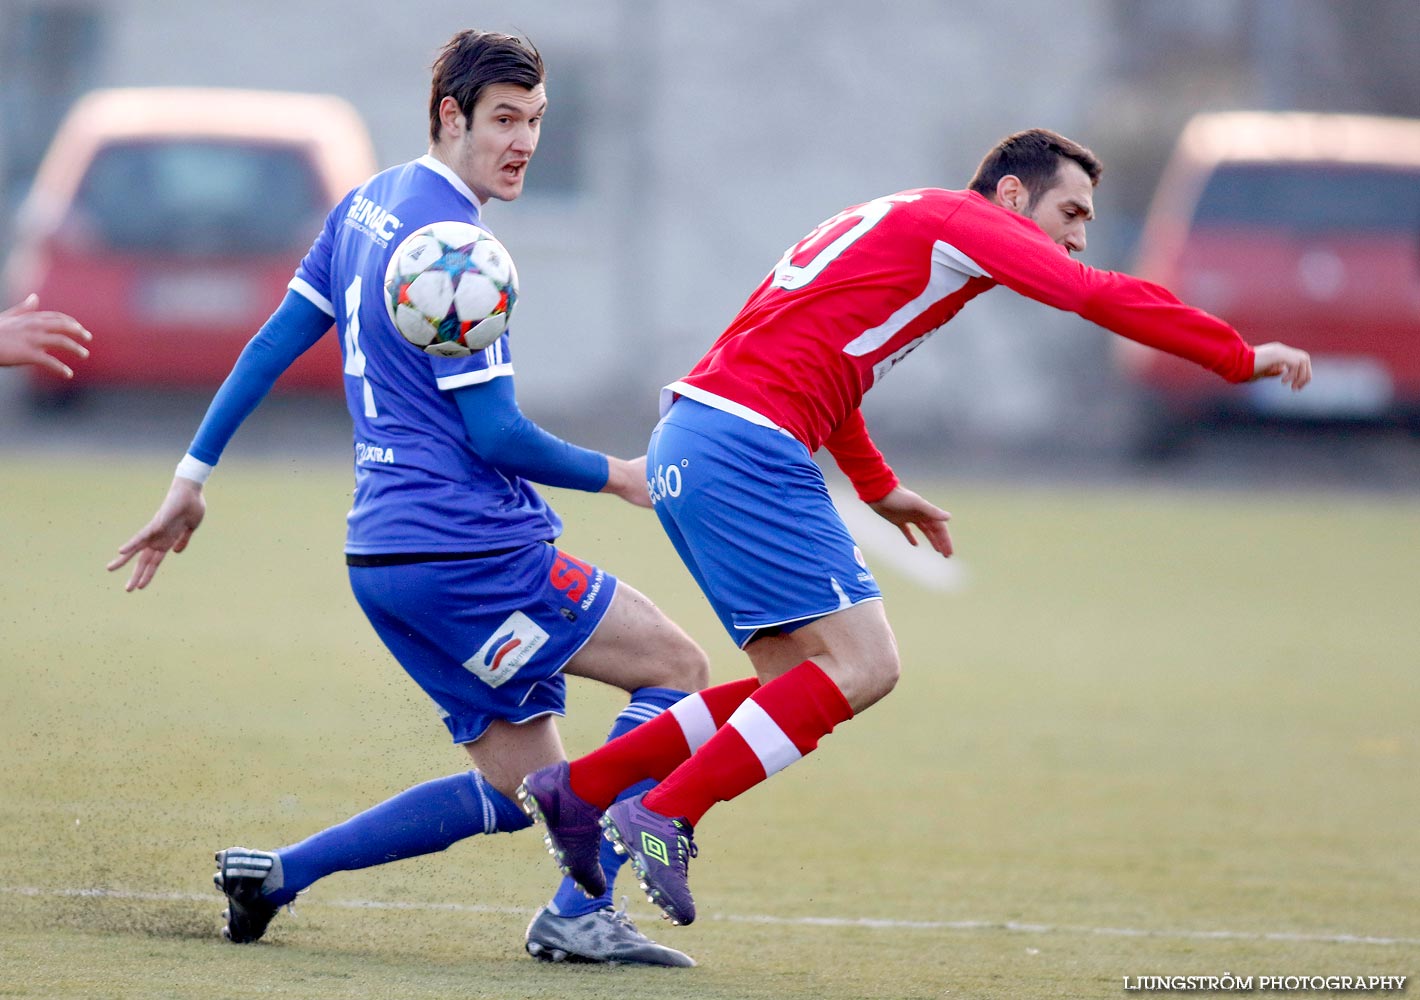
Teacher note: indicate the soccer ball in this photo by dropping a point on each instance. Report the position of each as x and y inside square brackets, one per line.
[450, 288]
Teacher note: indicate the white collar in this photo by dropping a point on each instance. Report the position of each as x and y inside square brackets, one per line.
[445, 171]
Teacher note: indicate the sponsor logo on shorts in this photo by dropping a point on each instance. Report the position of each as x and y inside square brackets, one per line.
[667, 481]
[866, 576]
[579, 582]
[511, 645]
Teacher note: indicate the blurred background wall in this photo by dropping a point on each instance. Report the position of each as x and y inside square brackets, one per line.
[688, 143]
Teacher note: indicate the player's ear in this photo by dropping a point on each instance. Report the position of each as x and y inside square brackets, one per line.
[1012, 194]
[451, 116]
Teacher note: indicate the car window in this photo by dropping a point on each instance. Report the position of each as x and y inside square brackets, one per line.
[1311, 197]
[197, 198]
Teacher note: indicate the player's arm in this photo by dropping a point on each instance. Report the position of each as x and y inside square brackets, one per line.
[861, 461]
[295, 326]
[1014, 252]
[507, 440]
[877, 485]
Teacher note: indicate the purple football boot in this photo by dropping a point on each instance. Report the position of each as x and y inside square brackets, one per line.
[659, 848]
[573, 835]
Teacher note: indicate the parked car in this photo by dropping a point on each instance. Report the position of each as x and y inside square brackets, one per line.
[169, 222]
[1303, 228]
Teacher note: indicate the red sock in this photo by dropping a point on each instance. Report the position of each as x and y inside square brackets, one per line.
[654, 749]
[778, 724]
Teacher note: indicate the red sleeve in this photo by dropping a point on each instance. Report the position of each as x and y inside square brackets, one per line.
[1015, 252]
[860, 459]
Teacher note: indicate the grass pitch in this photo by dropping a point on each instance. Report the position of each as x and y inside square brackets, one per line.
[1157, 734]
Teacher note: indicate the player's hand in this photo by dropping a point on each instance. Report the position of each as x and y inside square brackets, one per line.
[28, 335]
[626, 477]
[904, 508]
[1291, 365]
[172, 526]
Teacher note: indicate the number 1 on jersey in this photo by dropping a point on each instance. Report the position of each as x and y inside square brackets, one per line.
[354, 357]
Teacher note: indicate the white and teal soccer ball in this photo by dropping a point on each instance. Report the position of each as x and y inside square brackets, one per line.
[450, 288]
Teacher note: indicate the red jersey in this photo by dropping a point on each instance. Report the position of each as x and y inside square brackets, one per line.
[866, 287]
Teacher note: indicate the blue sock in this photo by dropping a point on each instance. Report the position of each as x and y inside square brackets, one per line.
[420, 820]
[645, 705]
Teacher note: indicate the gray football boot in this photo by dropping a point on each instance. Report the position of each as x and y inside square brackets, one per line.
[606, 936]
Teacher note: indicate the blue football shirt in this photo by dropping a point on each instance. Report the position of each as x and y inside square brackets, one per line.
[419, 487]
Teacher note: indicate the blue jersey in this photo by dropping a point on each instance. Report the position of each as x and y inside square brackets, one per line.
[419, 487]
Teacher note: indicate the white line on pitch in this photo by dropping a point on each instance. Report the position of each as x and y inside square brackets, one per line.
[1013, 926]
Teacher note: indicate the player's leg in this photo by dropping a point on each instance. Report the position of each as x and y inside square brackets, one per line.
[522, 620]
[638, 649]
[853, 648]
[635, 647]
[774, 558]
[406, 605]
[756, 523]
[429, 817]
[779, 723]
[841, 664]
[431, 617]
[655, 748]
[569, 799]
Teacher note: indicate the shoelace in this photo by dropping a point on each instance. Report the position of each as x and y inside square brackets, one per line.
[688, 850]
[620, 916]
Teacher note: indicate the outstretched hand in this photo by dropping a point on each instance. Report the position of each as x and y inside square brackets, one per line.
[904, 508]
[170, 529]
[626, 477]
[27, 335]
[1291, 365]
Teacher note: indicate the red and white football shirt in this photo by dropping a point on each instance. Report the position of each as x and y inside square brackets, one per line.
[868, 286]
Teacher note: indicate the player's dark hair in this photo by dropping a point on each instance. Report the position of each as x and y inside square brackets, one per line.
[472, 61]
[1034, 156]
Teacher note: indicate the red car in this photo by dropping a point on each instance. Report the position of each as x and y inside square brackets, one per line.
[1303, 228]
[168, 221]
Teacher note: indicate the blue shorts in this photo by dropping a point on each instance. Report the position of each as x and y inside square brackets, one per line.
[750, 515]
[487, 638]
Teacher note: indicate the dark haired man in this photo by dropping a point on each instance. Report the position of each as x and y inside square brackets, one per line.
[449, 547]
[736, 490]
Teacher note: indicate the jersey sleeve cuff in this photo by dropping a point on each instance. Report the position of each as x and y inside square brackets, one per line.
[307, 291]
[875, 488]
[447, 382]
[194, 469]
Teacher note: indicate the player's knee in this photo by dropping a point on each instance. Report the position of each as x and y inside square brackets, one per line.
[686, 667]
[886, 671]
[874, 679]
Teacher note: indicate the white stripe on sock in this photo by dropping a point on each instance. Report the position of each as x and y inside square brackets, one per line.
[696, 723]
[774, 749]
[490, 815]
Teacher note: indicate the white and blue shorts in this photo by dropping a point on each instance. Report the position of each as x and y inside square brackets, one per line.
[487, 637]
[751, 517]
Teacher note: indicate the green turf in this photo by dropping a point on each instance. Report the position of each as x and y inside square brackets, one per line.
[1157, 734]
